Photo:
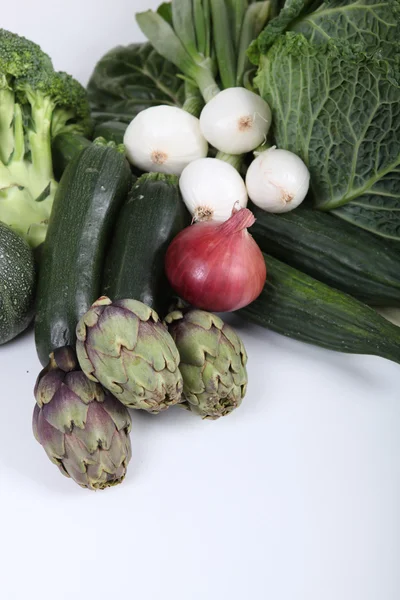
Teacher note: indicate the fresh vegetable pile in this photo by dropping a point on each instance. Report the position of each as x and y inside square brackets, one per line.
[202, 172]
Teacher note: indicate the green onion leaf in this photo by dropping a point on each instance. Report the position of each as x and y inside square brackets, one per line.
[223, 43]
[193, 99]
[237, 9]
[254, 22]
[165, 10]
[207, 25]
[163, 38]
[200, 26]
[182, 18]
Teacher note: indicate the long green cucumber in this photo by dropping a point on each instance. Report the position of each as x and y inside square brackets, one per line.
[333, 251]
[152, 216]
[298, 306]
[90, 192]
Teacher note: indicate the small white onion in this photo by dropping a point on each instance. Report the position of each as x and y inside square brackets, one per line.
[277, 180]
[211, 188]
[164, 139]
[235, 121]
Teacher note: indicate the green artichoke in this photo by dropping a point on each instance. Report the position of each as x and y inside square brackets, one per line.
[124, 346]
[84, 430]
[213, 362]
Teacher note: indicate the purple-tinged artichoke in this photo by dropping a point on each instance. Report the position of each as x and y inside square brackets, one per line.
[124, 346]
[213, 362]
[83, 429]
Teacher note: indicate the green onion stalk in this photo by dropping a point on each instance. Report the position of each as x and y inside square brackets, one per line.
[207, 40]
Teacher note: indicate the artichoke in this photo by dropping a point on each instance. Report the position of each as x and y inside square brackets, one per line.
[84, 430]
[213, 362]
[124, 346]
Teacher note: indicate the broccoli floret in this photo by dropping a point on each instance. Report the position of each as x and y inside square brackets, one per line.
[36, 104]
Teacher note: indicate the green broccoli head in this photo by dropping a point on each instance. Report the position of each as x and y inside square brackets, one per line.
[20, 57]
[72, 111]
[37, 103]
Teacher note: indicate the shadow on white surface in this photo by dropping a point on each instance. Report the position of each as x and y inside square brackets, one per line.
[304, 477]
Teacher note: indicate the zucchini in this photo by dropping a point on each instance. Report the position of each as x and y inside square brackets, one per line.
[17, 284]
[152, 216]
[112, 131]
[86, 204]
[64, 147]
[300, 307]
[334, 252]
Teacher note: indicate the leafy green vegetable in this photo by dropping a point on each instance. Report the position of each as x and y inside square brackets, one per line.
[375, 24]
[336, 101]
[290, 11]
[129, 79]
[339, 110]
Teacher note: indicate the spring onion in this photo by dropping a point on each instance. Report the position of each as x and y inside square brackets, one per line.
[277, 180]
[235, 121]
[164, 139]
[211, 188]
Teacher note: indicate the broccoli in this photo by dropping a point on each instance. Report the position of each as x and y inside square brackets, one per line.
[36, 104]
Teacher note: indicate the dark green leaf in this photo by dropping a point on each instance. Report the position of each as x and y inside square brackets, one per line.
[129, 79]
[378, 210]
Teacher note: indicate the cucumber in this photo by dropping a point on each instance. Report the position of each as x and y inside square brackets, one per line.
[64, 147]
[152, 216]
[17, 284]
[112, 131]
[333, 251]
[300, 307]
[91, 190]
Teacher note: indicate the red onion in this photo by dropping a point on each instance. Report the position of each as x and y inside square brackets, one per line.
[217, 266]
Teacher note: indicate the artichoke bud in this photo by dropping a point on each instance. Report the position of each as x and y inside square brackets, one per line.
[124, 346]
[213, 362]
[83, 429]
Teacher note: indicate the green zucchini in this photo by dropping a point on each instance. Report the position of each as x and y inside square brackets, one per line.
[152, 216]
[333, 251]
[300, 307]
[112, 131]
[90, 193]
[64, 147]
[17, 284]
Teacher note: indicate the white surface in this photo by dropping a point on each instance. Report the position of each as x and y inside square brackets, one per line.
[295, 496]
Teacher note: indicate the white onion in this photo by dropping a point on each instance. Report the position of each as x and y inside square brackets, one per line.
[164, 139]
[277, 180]
[211, 188]
[235, 121]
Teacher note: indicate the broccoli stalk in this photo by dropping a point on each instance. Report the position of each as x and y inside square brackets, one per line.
[36, 103]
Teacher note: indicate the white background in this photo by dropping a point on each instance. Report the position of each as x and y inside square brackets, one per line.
[295, 496]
